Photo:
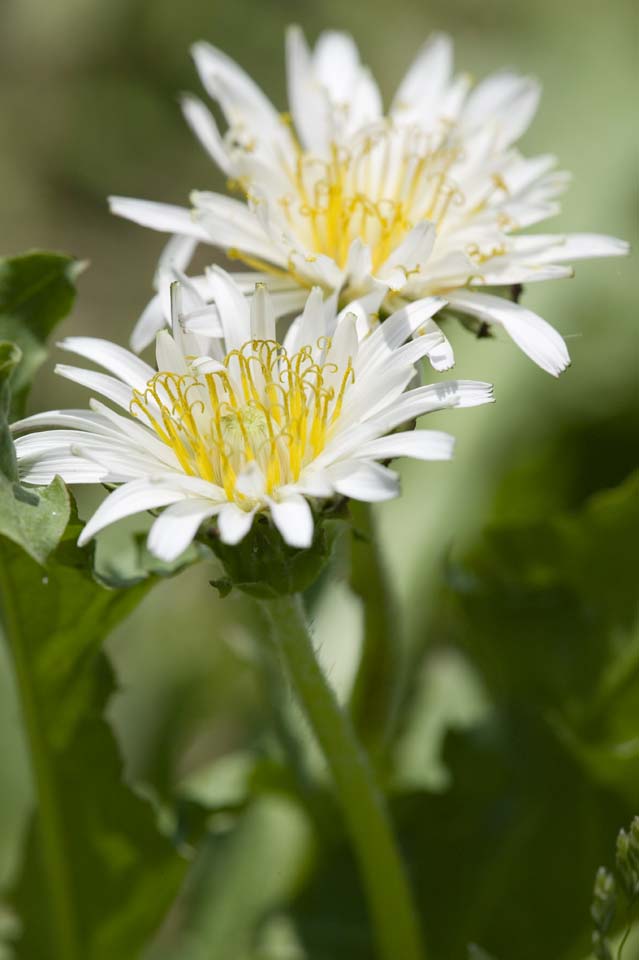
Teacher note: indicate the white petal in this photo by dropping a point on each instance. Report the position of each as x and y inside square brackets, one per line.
[239, 95]
[428, 75]
[177, 254]
[508, 100]
[307, 100]
[294, 520]
[441, 355]
[234, 523]
[78, 419]
[175, 528]
[158, 216]
[201, 122]
[394, 331]
[232, 306]
[574, 246]
[262, 316]
[124, 364]
[310, 326]
[100, 383]
[169, 357]
[531, 333]
[336, 63]
[152, 320]
[411, 255]
[134, 497]
[419, 444]
[70, 468]
[364, 480]
[232, 224]
[250, 482]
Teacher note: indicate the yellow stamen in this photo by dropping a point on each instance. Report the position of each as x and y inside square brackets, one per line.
[264, 406]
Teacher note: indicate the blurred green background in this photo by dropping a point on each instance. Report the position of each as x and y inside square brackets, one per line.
[88, 97]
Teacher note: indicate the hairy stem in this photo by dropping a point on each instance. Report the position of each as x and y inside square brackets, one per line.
[389, 896]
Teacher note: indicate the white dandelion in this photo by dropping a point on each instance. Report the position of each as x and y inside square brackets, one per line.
[430, 198]
[241, 424]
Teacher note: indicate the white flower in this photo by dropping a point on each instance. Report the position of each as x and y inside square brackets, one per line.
[241, 424]
[429, 198]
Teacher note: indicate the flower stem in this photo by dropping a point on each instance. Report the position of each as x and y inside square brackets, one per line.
[389, 896]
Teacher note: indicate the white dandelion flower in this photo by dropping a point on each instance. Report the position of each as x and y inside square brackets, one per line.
[250, 425]
[427, 199]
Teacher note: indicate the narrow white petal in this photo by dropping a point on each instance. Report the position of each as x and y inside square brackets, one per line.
[79, 419]
[175, 528]
[364, 480]
[232, 306]
[336, 63]
[307, 101]
[151, 321]
[234, 523]
[201, 122]
[134, 497]
[411, 255]
[158, 216]
[68, 467]
[177, 254]
[230, 223]
[169, 357]
[397, 329]
[100, 383]
[532, 334]
[124, 364]
[419, 444]
[426, 78]
[294, 520]
[574, 246]
[262, 316]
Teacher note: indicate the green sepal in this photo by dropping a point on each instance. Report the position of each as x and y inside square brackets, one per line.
[264, 566]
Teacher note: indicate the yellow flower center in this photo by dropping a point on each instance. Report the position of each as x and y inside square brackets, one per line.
[259, 405]
[376, 189]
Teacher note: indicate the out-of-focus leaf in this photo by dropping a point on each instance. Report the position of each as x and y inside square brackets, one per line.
[37, 291]
[240, 876]
[96, 874]
[504, 858]
[549, 614]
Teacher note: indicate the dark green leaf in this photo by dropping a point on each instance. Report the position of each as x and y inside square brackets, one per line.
[97, 875]
[37, 290]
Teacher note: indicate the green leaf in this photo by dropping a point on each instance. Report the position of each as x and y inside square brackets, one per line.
[10, 357]
[505, 857]
[548, 613]
[37, 291]
[97, 875]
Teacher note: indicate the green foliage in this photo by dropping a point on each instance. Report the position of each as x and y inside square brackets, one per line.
[539, 783]
[606, 900]
[37, 291]
[565, 641]
[96, 875]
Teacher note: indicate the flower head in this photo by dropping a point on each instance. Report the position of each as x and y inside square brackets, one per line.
[239, 423]
[429, 198]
